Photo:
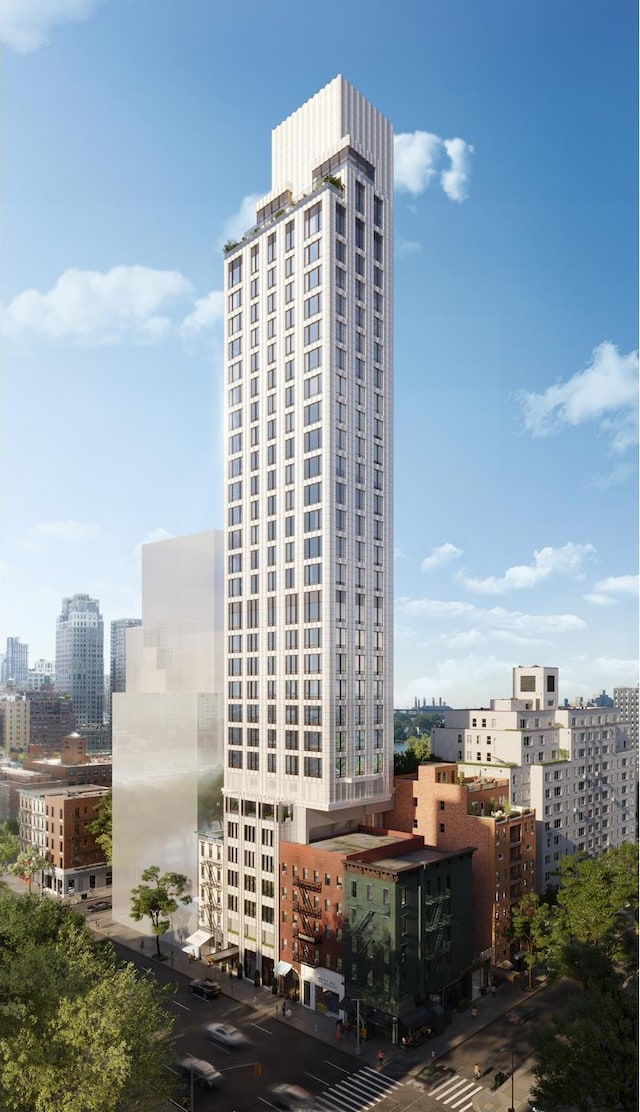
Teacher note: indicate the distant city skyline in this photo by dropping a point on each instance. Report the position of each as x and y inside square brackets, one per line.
[515, 328]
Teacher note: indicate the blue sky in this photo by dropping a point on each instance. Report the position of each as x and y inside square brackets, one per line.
[136, 133]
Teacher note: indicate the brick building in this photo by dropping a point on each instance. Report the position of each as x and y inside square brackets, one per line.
[56, 821]
[51, 719]
[452, 810]
[350, 925]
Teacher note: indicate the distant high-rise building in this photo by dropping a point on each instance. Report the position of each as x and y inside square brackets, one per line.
[42, 676]
[16, 664]
[118, 673]
[79, 658]
[51, 719]
[309, 505]
[626, 701]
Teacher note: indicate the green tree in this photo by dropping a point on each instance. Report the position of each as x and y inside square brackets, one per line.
[587, 1057]
[157, 898]
[27, 865]
[530, 928]
[102, 825]
[9, 845]
[596, 907]
[78, 1030]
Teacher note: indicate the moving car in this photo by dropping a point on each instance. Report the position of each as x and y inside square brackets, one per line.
[293, 1098]
[225, 1034]
[205, 988]
[203, 1072]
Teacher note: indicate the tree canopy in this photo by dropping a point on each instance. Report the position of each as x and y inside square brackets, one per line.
[102, 825]
[157, 899]
[79, 1031]
[418, 750]
[28, 864]
[9, 845]
[587, 1057]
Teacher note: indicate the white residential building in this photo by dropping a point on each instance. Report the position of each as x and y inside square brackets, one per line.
[575, 765]
[309, 504]
[42, 677]
[14, 723]
[625, 699]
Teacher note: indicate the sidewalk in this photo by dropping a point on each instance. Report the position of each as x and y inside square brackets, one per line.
[397, 1062]
[406, 1062]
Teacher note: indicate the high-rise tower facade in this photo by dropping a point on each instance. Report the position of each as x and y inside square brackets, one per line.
[79, 658]
[118, 661]
[309, 504]
[16, 666]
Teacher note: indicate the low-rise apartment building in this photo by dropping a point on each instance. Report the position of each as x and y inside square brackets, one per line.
[56, 821]
[452, 809]
[575, 766]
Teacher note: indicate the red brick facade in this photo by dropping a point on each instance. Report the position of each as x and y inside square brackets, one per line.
[453, 813]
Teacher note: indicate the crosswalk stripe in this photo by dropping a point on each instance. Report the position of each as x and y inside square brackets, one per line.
[356, 1092]
[469, 1093]
[455, 1091]
[446, 1087]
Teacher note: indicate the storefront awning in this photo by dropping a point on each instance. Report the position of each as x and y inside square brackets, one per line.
[224, 955]
[282, 968]
[198, 938]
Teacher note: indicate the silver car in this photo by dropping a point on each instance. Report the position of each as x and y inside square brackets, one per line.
[226, 1035]
[203, 1072]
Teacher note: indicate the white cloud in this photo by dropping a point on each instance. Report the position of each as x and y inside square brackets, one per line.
[605, 392]
[456, 179]
[69, 532]
[416, 155]
[546, 562]
[93, 308]
[605, 591]
[494, 620]
[242, 220]
[443, 554]
[403, 247]
[419, 157]
[206, 312]
[25, 24]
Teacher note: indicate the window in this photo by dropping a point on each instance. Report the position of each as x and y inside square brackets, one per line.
[312, 220]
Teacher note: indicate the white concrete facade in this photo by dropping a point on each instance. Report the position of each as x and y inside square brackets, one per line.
[574, 765]
[309, 497]
[167, 726]
[14, 723]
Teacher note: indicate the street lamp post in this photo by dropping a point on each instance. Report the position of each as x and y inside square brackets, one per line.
[512, 1108]
[357, 1003]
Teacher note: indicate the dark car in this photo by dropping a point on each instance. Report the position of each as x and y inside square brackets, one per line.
[205, 988]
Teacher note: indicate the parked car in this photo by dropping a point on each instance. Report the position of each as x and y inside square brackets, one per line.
[100, 905]
[203, 1072]
[225, 1034]
[205, 988]
[293, 1098]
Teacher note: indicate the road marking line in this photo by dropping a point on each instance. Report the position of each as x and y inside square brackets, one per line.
[466, 1085]
[179, 1005]
[265, 1029]
[441, 1087]
[320, 1079]
[329, 1063]
[466, 1097]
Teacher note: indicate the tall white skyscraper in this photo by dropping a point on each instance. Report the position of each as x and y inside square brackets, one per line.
[79, 658]
[118, 656]
[309, 502]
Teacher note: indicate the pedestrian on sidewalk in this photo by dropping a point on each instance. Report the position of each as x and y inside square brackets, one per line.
[477, 1072]
[380, 1058]
[142, 945]
[493, 991]
[474, 1013]
[284, 1007]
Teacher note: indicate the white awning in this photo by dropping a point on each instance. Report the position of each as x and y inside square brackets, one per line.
[198, 938]
[282, 968]
[224, 955]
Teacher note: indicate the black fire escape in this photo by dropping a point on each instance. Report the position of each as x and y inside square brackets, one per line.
[308, 932]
